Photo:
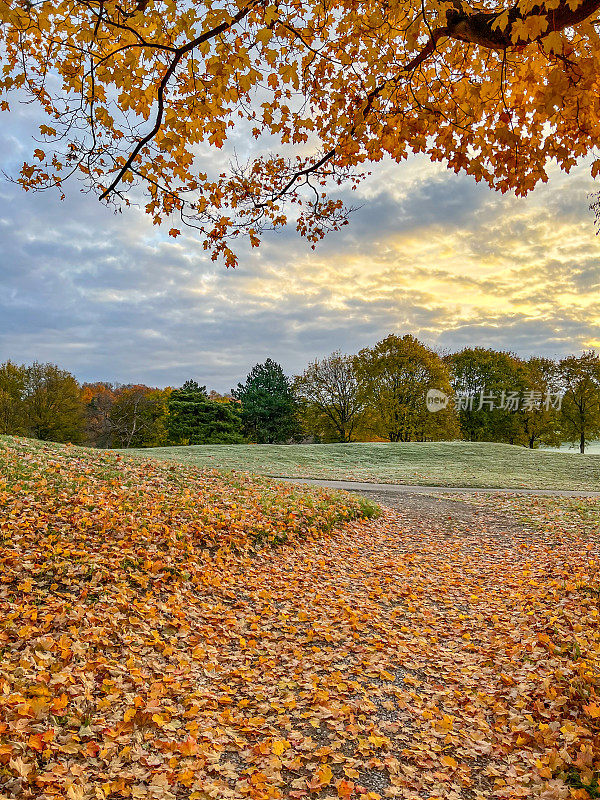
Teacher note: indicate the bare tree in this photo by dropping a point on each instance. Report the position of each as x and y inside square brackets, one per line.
[329, 393]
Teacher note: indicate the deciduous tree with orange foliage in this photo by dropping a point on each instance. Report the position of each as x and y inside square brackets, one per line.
[137, 91]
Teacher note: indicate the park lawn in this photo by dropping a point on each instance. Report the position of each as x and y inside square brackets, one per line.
[468, 464]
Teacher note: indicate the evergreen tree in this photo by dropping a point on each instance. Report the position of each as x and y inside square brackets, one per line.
[194, 418]
[269, 409]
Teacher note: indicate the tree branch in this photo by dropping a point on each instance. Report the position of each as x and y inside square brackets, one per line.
[179, 54]
[473, 28]
[481, 28]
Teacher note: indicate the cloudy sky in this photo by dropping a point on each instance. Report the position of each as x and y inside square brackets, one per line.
[110, 297]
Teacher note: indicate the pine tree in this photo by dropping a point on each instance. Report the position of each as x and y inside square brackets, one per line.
[196, 419]
[269, 410]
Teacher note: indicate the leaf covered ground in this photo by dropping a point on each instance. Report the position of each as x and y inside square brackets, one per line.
[155, 643]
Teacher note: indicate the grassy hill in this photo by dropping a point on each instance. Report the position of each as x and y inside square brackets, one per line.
[469, 464]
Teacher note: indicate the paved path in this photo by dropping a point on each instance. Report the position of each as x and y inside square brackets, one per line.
[397, 489]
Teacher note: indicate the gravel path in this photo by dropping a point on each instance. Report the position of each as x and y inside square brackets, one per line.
[390, 493]
[412, 654]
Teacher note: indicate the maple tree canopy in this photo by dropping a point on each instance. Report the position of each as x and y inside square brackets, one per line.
[136, 92]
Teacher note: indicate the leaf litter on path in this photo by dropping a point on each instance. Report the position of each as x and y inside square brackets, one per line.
[418, 655]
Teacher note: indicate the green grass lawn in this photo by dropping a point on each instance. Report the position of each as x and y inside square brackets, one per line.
[469, 464]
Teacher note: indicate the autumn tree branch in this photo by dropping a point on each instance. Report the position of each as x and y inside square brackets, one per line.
[413, 85]
[491, 31]
[479, 28]
[179, 54]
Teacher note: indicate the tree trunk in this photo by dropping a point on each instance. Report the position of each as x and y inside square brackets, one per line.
[582, 443]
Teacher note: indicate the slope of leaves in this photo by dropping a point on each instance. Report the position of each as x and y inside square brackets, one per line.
[420, 655]
[98, 491]
[101, 564]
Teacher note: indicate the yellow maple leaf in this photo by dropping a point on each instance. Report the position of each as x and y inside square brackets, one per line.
[553, 42]
[324, 774]
[592, 710]
[448, 761]
[378, 741]
[279, 746]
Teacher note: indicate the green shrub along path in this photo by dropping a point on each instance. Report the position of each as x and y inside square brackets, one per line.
[466, 464]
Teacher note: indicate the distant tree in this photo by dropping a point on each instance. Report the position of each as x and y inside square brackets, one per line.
[580, 411]
[13, 381]
[53, 406]
[99, 399]
[538, 415]
[138, 416]
[269, 408]
[493, 383]
[221, 398]
[395, 376]
[329, 395]
[195, 418]
[193, 386]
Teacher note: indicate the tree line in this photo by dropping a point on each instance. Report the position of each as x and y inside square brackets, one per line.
[381, 393]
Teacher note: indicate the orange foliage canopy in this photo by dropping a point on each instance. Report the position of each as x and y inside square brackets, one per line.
[137, 90]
